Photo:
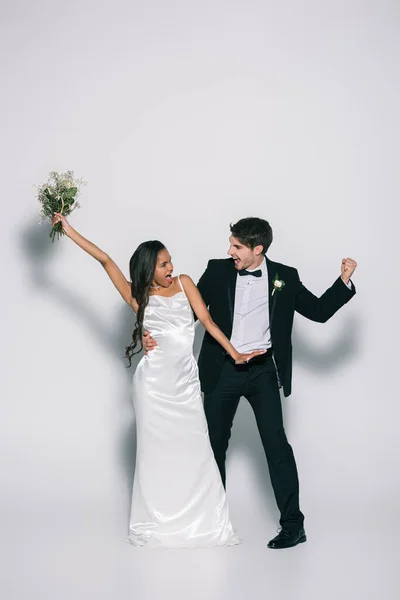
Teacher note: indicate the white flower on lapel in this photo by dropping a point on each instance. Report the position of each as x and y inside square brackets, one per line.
[278, 284]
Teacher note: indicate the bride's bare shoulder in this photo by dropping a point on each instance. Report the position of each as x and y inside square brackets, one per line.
[185, 278]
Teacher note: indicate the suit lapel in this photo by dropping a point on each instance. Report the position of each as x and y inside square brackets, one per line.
[271, 297]
[232, 276]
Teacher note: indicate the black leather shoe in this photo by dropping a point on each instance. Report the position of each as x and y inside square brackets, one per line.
[287, 539]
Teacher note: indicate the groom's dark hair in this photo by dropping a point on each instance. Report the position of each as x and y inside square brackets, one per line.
[252, 232]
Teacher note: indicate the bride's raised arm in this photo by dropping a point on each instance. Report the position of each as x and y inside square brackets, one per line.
[110, 267]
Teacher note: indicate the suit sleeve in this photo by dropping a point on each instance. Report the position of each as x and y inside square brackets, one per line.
[323, 308]
[205, 285]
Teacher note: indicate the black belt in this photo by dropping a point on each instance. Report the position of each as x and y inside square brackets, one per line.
[257, 360]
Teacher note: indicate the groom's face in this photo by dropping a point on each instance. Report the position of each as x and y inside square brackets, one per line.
[243, 256]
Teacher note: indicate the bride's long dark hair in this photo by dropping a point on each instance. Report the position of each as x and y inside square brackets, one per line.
[141, 269]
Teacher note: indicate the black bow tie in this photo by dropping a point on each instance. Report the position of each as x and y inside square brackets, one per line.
[257, 273]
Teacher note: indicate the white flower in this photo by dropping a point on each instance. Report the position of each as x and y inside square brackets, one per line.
[278, 284]
[67, 184]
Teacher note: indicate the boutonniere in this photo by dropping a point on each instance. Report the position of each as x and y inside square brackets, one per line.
[278, 284]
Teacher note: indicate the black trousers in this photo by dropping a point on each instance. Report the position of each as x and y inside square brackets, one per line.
[257, 382]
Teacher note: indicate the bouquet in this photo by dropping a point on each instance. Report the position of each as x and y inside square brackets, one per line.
[59, 194]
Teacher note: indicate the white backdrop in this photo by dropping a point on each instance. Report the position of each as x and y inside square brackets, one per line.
[184, 117]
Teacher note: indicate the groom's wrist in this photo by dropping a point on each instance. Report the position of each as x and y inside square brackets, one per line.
[347, 281]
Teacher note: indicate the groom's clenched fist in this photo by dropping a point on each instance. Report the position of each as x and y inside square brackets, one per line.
[348, 267]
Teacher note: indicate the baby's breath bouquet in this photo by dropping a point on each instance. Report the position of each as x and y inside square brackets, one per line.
[59, 194]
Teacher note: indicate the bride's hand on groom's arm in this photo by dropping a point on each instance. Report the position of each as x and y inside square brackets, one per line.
[148, 342]
[241, 359]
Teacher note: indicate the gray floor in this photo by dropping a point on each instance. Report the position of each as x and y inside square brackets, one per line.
[63, 536]
[50, 559]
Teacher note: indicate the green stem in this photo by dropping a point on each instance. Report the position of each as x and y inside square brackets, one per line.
[56, 230]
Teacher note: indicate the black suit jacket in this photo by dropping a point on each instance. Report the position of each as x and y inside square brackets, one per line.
[217, 286]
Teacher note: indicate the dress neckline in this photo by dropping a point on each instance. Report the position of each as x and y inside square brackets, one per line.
[166, 297]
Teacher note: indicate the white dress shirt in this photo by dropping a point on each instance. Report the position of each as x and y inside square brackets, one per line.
[250, 330]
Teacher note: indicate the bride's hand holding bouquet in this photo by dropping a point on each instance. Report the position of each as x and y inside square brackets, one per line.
[59, 196]
[65, 226]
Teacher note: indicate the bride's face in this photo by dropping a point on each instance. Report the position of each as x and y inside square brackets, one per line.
[164, 269]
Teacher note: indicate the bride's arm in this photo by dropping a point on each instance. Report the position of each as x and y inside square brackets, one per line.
[112, 270]
[200, 309]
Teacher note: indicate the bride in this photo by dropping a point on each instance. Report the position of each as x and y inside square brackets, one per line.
[178, 498]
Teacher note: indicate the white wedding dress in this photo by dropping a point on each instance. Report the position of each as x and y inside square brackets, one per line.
[178, 499]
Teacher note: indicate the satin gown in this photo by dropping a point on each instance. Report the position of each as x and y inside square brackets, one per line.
[178, 498]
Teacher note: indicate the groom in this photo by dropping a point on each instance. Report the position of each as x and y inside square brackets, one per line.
[253, 301]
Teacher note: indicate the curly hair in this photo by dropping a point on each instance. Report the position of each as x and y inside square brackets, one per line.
[141, 269]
